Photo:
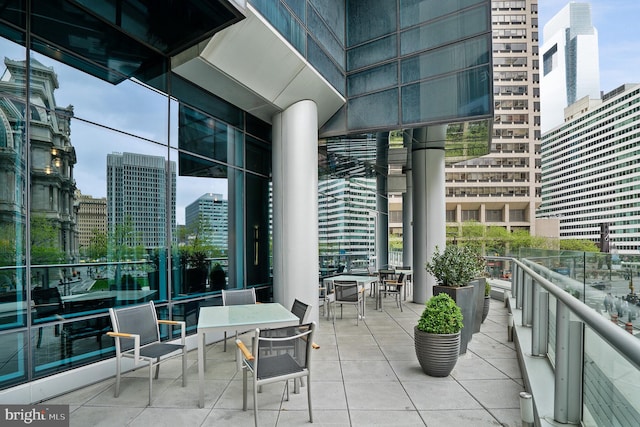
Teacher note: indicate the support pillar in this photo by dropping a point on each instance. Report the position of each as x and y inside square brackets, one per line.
[382, 203]
[429, 212]
[295, 206]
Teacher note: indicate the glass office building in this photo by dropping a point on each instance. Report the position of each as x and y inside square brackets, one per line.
[230, 97]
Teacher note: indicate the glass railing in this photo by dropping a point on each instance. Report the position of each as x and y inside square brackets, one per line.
[583, 319]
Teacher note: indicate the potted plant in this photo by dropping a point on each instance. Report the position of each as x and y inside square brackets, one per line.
[455, 269]
[437, 336]
[487, 301]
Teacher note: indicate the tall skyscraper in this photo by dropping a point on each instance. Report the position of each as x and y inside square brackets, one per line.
[503, 187]
[570, 62]
[209, 214]
[136, 197]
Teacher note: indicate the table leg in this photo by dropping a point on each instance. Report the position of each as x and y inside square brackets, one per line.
[201, 367]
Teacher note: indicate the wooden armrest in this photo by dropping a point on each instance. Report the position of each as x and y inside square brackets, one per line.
[315, 346]
[169, 322]
[120, 334]
[245, 351]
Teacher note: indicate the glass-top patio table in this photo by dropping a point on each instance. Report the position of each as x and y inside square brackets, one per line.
[237, 317]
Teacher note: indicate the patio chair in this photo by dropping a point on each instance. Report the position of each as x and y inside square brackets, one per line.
[326, 297]
[137, 336]
[394, 288]
[237, 297]
[348, 293]
[301, 310]
[289, 360]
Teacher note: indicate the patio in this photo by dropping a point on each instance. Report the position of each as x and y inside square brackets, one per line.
[362, 375]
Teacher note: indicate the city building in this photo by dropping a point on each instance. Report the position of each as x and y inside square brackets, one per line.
[590, 173]
[208, 215]
[570, 66]
[91, 216]
[137, 198]
[52, 183]
[502, 188]
[178, 96]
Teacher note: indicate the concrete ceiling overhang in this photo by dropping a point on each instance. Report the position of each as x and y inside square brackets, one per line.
[250, 65]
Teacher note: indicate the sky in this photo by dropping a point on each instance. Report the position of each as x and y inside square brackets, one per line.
[618, 37]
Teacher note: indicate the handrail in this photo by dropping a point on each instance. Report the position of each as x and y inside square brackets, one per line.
[626, 344]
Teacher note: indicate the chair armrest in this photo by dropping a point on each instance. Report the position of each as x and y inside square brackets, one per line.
[136, 343]
[244, 350]
[183, 327]
[315, 346]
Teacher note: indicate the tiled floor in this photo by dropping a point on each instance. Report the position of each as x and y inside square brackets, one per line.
[363, 375]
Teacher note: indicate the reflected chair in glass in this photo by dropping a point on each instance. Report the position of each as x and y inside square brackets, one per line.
[237, 297]
[136, 334]
[394, 288]
[348, 292]
[278, 354]
[47, 303]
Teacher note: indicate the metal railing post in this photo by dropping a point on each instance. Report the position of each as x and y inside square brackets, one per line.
[527, 301]
[540, 326]
[568, 374]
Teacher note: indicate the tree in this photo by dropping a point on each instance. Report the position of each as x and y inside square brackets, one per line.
[45, 248]
[581, 245]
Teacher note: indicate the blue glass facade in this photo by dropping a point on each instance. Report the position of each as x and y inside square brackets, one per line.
[71, 97]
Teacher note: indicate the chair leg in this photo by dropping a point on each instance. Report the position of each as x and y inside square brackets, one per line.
[184, 366]
[244, 388]
[157, 369]
[118, 368]
[151, 380]
[309, 398]
[255, 402]
[225, 341]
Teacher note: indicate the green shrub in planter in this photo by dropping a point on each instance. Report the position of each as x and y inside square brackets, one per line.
[441, 316]
[455, 266]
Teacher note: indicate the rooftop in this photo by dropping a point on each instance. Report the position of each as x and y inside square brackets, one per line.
[361, 375]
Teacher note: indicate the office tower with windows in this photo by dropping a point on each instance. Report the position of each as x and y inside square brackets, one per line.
[570, 62]
[137, 198]
[590, 173]
[207, 219]
[503, 188]
[91, 220]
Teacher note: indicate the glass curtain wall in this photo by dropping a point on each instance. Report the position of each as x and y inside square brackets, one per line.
[116, 190]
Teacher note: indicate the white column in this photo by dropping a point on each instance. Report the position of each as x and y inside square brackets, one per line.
[295, 205]
[429, 216]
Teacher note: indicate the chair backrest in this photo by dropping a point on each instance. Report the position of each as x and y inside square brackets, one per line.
[272, 343]
[137, 319]
[300, 309]
[346, 290]
[238, 296]
[400, 277]
[47, 301]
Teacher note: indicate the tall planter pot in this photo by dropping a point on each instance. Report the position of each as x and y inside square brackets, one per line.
[486, 307]
[478, 295]
[464, 297]
[436, 353]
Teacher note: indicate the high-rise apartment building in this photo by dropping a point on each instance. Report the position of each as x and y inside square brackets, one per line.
[503, 187]
[91, 218]
[137, 197]
[209, 215]
[591, 172]
[571, 69]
